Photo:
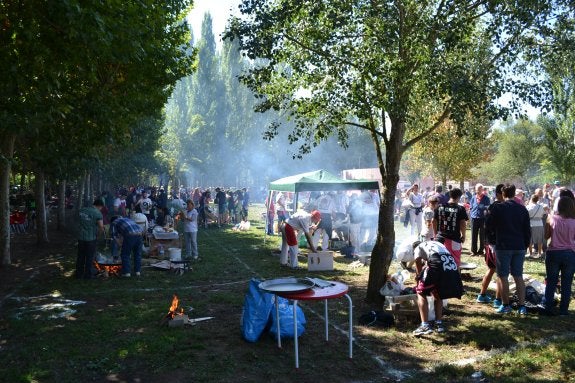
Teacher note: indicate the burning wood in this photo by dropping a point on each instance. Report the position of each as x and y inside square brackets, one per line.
[173, 312]
[176, 317]
[174, 308]
[107, 270]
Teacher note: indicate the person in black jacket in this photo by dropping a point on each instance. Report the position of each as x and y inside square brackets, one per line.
[510, 222]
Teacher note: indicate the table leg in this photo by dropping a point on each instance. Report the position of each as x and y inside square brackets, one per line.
[295, 334]
[326, 320]
[350, 331]
[278, 321]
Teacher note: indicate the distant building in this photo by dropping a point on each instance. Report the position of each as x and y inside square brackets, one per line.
[373, 174]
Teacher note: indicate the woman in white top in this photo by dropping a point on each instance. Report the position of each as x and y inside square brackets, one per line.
[536, 211]
[415, 209]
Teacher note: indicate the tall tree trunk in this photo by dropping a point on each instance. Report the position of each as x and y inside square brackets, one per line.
[382, 253]
[61, 205]
[88, 196]
[80, 197]
[41, 219]
[6, 155]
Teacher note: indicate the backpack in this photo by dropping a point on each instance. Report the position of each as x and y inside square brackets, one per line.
[532, 296]
[377, 319]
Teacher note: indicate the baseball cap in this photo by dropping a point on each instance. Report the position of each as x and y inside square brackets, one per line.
[316, 215]
[556, 183]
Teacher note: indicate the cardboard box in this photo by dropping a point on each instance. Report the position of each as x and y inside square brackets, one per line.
[402, 306]
[320, 261]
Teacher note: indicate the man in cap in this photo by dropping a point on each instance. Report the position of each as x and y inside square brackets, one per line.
[301, 221]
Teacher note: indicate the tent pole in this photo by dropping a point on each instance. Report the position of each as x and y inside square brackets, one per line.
[295, 202]
[267, 206]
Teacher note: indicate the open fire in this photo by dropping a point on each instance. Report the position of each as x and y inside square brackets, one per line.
[174, 308]
[176, 317]
[108, 270]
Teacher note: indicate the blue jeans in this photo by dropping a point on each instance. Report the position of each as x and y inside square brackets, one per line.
[131, 244]
[510, 262]
[191, 241]
[559, 261]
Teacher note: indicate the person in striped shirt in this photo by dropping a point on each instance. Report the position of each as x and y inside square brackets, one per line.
[129, 236]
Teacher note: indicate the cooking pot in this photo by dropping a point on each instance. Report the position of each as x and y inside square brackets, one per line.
[175, 254]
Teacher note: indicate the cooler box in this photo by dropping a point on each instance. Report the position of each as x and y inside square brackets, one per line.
[320, 261]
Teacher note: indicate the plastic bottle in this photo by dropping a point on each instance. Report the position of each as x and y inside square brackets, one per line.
[399, 277]
[161, 250]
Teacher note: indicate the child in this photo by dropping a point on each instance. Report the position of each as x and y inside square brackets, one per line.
[428, 211]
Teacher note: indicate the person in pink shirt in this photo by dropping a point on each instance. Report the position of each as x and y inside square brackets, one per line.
[560, 258]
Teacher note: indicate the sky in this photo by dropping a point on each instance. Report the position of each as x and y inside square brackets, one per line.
[220, 11]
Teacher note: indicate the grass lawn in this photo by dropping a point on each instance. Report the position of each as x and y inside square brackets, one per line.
[54, 328]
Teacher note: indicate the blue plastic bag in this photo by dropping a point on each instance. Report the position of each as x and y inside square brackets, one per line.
[256, 315]
[286, 320]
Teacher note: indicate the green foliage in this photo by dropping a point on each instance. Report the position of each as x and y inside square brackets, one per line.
[560, 144]
[397, 69]
[519, 154]
[210, 123]
[81, 77]
[453, 151]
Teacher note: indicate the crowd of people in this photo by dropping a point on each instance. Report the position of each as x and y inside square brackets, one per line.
[506, 227]
[125, 217]
[349, 218]
[217, 206]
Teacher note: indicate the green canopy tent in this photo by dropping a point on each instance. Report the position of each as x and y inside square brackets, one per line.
[318, 180]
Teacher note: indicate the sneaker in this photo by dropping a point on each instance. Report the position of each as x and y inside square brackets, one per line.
[137, 274]
[522, 310]
[504, 309]
[497, 303]
[126, 275]
[483, 298]
[423, 329]
[439, 328]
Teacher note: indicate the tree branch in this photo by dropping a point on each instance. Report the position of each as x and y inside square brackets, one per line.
[319, 52]
[444, 115]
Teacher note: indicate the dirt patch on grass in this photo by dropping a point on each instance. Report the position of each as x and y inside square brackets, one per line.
[32, 260]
